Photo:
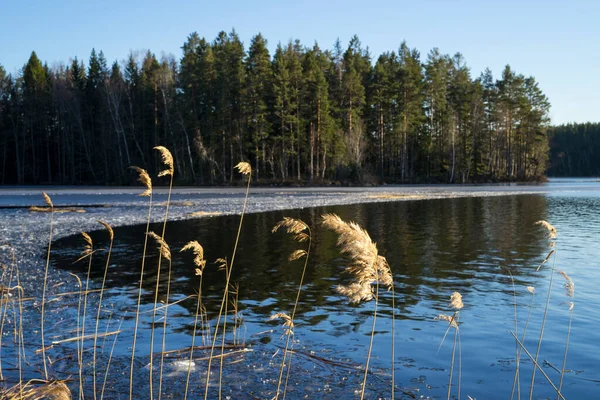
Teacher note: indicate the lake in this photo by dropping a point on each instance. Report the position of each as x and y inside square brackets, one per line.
[477, 246]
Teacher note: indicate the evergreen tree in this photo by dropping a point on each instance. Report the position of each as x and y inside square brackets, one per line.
[257, 96]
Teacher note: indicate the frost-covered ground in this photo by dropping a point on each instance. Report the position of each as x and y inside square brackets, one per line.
[28, 231]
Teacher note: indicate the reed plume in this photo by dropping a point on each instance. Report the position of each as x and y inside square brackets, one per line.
[457, 304]
[49, 203]
[199, 263]
[165, 252]
[167, 159]
[366, 266]
[145, 180]
[88, 252]
[300, 232]
[245, 169]
[288, 323]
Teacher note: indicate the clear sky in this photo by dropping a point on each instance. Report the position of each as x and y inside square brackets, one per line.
[557, 42]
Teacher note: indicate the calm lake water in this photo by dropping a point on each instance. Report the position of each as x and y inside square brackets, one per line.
[434, 247]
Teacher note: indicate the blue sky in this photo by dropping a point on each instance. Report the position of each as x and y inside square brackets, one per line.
[558, 42]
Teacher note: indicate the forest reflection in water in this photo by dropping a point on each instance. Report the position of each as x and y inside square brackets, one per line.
[433, 247]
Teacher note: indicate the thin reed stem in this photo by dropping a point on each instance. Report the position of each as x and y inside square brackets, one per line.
[245, 169]
[393, 341]
[140, 288]
[78, 330]
[287, 341]
[164, 338]
[516, 380]
[452, 361]
[3, 311]
[224, 333]
[537, 366]
[42, 331]
[364, 384]
[112, 236]
[539, 345]
[167, 159]
[564, 364]
[187, 379]
[112, 350]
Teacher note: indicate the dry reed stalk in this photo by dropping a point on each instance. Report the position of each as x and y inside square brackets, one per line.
[18, 325]
[512, 280]
[111, 236]
[224, 333]
[551, 234]
[46, 390]
[516, 379]
[537, 366]
[366, 266]
[5, 300]
[167, 159]
[164, 252]
[143, 178]
[570, 292]
[112, 350]
[42, 333]
[199, 263]
[301, 233]
[78, 344]
[87, 252]
[457, 304]
[245, 169]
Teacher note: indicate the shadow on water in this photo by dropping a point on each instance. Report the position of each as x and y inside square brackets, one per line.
[434, 247]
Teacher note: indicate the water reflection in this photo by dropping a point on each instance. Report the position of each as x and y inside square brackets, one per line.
[434, 247]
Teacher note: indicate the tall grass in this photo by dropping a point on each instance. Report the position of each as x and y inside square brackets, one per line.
[167, 160]
[111, 236]
[200, 263]
[145, 180]
[245, 169]
[42, 332]
[301, 233]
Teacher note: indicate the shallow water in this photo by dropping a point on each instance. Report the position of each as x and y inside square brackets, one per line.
[434, 247]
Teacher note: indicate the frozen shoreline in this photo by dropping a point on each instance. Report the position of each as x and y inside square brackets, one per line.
[28, 231]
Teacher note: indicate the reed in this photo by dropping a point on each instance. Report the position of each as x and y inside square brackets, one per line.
[551, 234]
[111, 236]
[145, 180]
[300, 232]
[366, 267]
[570, 292]
[245, 169]
[516, 379]
[199, 263]
[44, 288]
[167, 160]
[165, 252]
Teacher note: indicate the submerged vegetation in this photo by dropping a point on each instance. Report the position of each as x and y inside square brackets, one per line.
[368, 273]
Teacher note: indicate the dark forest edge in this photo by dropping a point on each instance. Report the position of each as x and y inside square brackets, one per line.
[575, 150]
[302, 115]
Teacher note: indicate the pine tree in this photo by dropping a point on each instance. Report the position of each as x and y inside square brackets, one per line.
[257, 96]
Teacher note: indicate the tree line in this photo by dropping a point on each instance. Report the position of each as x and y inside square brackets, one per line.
[574, 150]
[300, 114]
